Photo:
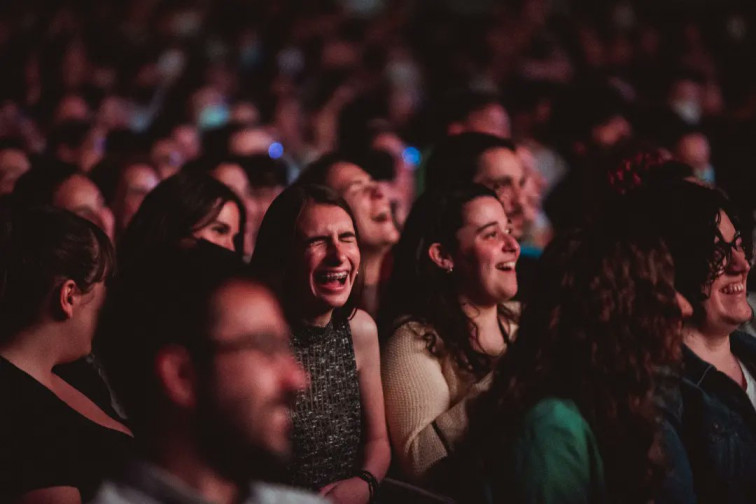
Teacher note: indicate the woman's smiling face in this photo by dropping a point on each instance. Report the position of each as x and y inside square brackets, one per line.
[327, 257]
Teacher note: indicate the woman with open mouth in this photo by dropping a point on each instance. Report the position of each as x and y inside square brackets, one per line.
[717, 416]
[308, 253]
[454, 270]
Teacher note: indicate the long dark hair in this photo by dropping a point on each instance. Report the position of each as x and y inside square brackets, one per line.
[276, 242]
[605, 322]
[421, 291]
[176, 208]
[39, 248]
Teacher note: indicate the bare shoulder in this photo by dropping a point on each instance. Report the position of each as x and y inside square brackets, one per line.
[364, 330]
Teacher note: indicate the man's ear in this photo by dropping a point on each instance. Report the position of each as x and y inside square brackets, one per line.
[177, 376]
[439, 256]
[68, 298]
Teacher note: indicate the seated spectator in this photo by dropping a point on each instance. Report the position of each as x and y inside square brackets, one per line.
[56, 442]
[199, 354]
[124, 186]
[444, 310]
[308, 253]
[718, 389]
[181, 210]
[372, 213]
[572, 414]
[63, 186]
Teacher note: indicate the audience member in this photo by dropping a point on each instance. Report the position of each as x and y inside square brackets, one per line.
[718, 389]
[57, 443]
[572, 415]
[444, 310]
[181, 210]
[308, 253]
[372, 214]
[199, 354]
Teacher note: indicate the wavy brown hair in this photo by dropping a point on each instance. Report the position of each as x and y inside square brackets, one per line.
[604, 324]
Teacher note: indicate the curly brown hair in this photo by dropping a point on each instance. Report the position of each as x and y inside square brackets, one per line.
[604, 323]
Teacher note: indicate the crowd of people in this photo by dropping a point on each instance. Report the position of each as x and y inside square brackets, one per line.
[377, 252]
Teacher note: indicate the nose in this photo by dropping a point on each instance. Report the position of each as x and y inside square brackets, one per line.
[510, 244]
[377, 192]
[335, 252]
[738, 263]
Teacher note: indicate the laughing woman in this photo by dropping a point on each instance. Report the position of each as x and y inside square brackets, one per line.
[454, 268]
[307, 252]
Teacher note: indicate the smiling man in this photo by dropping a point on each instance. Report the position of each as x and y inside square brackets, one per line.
[199, 354]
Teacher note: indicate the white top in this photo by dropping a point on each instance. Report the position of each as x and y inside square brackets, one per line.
[750, 384]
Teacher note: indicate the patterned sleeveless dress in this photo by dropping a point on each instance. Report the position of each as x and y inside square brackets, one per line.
[327, 418]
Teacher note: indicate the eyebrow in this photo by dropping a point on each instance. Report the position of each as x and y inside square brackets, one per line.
[484, 226]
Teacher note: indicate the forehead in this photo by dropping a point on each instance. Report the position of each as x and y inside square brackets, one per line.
[343, 174]
[498, 163]
[483, 210]
[318, 218]
[241, 307]
[229, 212]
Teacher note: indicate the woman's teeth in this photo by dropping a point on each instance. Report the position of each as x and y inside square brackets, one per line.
[507, 266]
[733, 288]
[332, 277]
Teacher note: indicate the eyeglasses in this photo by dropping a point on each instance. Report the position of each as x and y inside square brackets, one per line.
[270, 344]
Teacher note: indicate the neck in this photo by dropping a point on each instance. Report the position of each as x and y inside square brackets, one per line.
[372, 260]
[319, 319]
[712, 348]
[181, 459]
[36, 351]
[490, 340]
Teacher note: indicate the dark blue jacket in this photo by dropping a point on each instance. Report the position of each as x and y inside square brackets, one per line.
[717, 425]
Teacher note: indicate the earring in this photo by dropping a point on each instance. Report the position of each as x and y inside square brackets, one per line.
[450, 269]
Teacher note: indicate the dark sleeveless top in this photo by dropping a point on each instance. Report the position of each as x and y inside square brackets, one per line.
[327, 420]
[46, 443]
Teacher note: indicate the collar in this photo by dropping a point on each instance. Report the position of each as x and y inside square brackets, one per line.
[161, 485]
[696, 369]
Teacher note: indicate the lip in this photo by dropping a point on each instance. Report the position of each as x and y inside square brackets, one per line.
[382, 217]
[332, 280]
[507, 266]
[733, 289]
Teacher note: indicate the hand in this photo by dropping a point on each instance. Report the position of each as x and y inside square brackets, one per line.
[348, 491]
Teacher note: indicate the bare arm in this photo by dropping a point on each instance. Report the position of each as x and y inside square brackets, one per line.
[377, 452]
[366, 349]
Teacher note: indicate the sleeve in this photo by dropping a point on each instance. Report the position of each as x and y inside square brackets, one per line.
[423, 424]
[556, 458]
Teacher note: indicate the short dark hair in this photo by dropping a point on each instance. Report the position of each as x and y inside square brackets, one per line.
[454, 161]
[38, 248]
[317, 172]
[172, 211]
[165, 301]
[276, 240]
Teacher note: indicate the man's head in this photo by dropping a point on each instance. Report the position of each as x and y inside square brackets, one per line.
[482, 159]
[371, 207]
[201, 352]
